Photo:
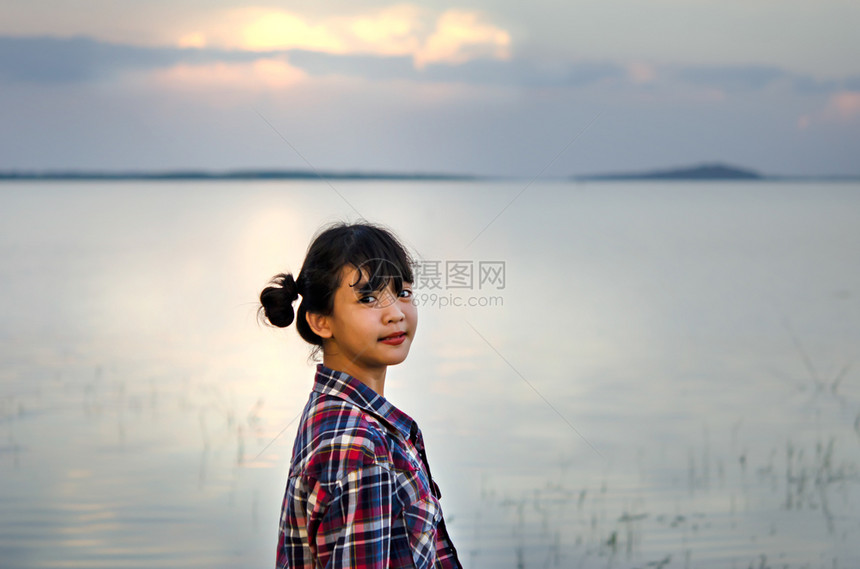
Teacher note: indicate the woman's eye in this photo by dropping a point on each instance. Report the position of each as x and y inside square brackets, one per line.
[367, 299]
[405, 293]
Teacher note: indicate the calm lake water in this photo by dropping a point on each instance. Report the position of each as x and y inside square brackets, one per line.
[607, 375]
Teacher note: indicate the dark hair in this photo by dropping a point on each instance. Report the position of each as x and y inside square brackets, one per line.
[365, 246]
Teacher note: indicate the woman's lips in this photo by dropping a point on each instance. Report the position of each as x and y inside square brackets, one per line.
[394, 339]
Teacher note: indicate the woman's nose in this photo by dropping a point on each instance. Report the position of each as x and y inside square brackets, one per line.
[393, 313]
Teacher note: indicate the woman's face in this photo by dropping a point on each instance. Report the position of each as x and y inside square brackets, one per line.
[369, 330]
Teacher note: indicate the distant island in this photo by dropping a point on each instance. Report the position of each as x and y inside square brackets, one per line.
[702, 172]
[229, 175]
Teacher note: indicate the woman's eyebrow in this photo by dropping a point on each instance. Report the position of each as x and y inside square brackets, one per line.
[363, 286]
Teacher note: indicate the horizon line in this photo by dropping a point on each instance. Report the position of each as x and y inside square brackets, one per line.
[722, 173]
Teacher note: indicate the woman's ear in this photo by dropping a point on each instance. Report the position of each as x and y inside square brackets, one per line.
[319, 324]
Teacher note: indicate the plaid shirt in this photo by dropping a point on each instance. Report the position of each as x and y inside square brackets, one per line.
[359, 493]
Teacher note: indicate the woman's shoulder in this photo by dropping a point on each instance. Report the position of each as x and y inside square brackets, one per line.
[336, 438]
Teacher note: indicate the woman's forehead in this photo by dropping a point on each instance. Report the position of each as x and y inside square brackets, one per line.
[371, 275]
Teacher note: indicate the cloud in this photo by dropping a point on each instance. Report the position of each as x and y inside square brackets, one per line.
[266, 73]
[263, 29]
[525, 73]
[846, 104]
[514, 72]
[461, 36]
[454, 36]
[809, 85]
[396, 30]
[852, 83]
[456, 60]
[639, 72]
[56, 60]
[732, 77]
[194, 39]
[841, 107]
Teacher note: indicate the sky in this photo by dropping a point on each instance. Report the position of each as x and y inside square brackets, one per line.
[504, 88]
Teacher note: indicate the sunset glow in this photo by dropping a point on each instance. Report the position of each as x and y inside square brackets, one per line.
[263, 73]
[847, 104]
[194, 39]
[842, 107]
[454, 36]
[277, 29]
[641, 72]
[461, 36]
[393, 31]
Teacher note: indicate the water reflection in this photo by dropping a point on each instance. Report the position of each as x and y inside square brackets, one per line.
[700, 338]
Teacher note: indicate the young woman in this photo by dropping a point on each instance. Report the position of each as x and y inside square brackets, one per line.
[359, 493]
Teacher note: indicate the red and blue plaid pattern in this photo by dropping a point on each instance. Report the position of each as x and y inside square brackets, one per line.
[360, 494]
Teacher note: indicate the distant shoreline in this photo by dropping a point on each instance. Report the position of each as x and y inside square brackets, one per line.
[70, 175]
[701, 173]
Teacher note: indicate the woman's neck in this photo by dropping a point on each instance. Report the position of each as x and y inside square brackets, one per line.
[374, 378]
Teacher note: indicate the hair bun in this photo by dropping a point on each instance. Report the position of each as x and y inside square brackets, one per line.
[277, 301]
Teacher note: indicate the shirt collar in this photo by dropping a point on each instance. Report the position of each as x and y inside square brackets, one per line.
[344, 386]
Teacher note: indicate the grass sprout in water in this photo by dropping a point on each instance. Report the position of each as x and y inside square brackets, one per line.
[781, 509]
